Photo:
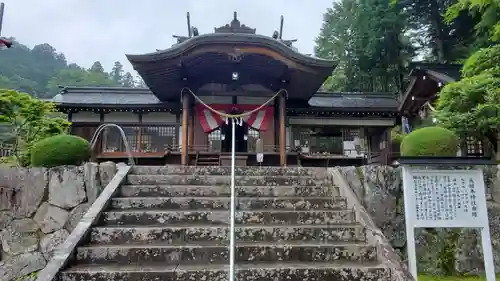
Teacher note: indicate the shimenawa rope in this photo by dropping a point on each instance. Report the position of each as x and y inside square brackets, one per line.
[223, 114]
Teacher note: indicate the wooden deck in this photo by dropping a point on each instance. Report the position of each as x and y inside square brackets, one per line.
[270, 158]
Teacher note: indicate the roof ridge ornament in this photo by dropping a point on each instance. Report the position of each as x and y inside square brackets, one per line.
[235, 27]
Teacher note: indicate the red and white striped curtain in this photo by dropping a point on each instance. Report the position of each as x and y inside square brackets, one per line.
[258, 120]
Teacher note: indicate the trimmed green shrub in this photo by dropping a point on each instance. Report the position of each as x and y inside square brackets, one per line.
[430, 141]
[60, 150]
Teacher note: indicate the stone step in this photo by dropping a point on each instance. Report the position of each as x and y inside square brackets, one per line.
[206, 233]
[242, 203]
[226, 180]
[164, 217]
[217, 253]
[201, 190]
[266, 271]
[226, 171]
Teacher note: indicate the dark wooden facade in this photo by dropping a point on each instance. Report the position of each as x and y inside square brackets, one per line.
[315, 133]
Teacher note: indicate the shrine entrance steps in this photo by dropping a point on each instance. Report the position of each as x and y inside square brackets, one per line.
[172, 223]
[207, 160]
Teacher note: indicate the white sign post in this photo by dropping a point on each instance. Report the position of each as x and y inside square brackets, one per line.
[446, 198]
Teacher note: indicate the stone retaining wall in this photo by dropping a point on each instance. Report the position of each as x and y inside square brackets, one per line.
[379, 188]
[38, 210]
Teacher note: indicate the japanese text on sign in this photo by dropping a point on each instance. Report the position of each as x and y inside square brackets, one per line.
[445, 199]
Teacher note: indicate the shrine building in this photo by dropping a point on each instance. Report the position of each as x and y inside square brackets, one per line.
[426, 81]
[234, 70]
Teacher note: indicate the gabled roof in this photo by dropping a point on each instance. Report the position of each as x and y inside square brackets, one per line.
[445, 73]
[426, 79]
[137, 97]
[90, 96]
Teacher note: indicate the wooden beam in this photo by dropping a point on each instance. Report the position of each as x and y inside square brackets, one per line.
[282, 116]
[139, 134]
[191, 128]
[184, 143]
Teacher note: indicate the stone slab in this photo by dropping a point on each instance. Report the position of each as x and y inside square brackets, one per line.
[241, 191]
[209, 253]
[242, 203]
[225, 171]
[154, 217]
[224, 180]
[207, 233]
[274, 271]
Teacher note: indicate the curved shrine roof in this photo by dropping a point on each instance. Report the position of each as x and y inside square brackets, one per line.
[233, 48]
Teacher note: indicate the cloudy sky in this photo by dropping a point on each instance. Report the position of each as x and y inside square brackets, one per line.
[106, 30]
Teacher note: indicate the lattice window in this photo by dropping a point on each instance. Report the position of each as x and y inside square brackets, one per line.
[131, 134]
[316, 140]
[215, 140]
[113, 142]
[349, 134]
[140, 139]
[252, 136]
[300, 136]
[326, 144]
[158, 139]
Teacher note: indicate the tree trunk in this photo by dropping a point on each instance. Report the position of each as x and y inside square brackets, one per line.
[436, 25]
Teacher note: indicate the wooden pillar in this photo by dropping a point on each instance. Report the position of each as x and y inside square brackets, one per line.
[282, 116]
[191, 129]
[185, 116]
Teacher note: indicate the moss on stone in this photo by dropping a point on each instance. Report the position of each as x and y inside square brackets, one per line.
[360, 174]
[29, 277]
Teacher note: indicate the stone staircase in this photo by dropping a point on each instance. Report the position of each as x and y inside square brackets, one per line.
[172, 223]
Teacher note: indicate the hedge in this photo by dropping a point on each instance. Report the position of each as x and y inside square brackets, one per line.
[430, 141]
[60, 150]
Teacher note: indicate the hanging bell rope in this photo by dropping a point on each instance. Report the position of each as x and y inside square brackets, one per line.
[223, 114]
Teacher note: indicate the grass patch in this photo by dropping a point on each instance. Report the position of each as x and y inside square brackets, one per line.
[449, 278]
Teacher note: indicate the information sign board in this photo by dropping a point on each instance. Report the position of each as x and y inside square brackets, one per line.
[446, 198]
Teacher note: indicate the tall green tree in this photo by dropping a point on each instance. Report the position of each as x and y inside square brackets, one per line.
[488, 12]
[471, 106]
[128, 80]
[116, 73]
[28, 70]
[367, 38]
[97, 67]
[139, 82]
[29, 120]
[441, 41]
[79, 77]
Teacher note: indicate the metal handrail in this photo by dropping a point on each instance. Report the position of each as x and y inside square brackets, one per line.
[96, 134]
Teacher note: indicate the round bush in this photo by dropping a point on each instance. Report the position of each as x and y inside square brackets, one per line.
[60, 150]
[430, 141]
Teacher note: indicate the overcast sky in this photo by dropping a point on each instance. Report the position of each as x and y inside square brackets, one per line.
[106, 30]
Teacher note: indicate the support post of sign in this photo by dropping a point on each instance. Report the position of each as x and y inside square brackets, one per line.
[233, 199]
[489, 265]
[410, 228]
[436, 196]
